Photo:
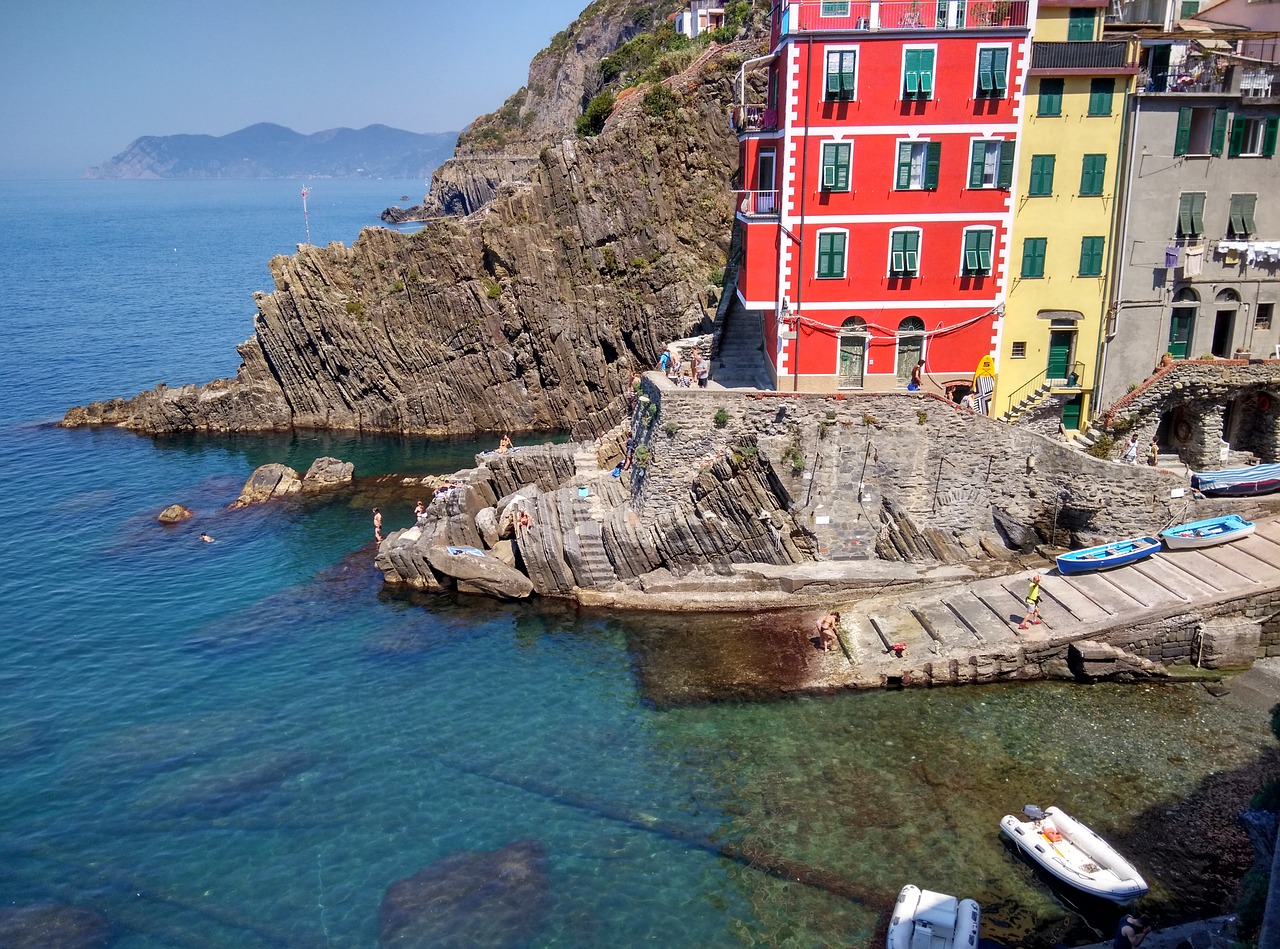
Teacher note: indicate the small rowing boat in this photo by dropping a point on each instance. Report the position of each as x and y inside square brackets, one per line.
[923, 918]
[1206, 533]
[1238, 482]
[1074, 854]
[1105, 556]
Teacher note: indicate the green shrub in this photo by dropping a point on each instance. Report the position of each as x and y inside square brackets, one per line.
[659, 101]
[922, 417]
[591, 121]
[642, 457]
[398, 285]
[492, 289]
[1103, 447]
[721, 418]
[671, 428]
[355, 308]
[716, 278]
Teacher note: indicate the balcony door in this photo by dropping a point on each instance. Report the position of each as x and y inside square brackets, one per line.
[766, 161]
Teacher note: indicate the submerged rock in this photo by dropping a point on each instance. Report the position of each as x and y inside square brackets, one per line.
[474, 899]
[52, 926]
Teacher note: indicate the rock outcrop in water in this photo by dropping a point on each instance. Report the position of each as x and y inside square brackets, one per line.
[280, 481]
[532, 313]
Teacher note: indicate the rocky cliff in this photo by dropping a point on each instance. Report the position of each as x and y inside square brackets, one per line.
[532, 313]
[266, 150]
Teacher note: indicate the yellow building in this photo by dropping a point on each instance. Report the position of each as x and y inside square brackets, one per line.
[1066, 212]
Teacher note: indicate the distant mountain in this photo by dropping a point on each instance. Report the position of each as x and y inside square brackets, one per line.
[273, 151]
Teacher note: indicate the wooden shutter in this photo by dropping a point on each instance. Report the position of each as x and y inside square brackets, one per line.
[848, 73]
[1235, 217]
[904, 165]
[1000, 67]
[977, 160]
[1183, 138]
[828, 167]
[932, 161]
[1197, 212]
[1093, 174]
[1050, 97]
[833, 75]
[1247, 204]
[1184, 215]
[912, 245]
[926, 73]
[1005, 177]
[984, 251]
[1219, 131]
[986, 71]
[898, 252]
[971, 252]
[911, 73]
[1239, 126]
[841, 159]
[1269, 136]
[1033, 251]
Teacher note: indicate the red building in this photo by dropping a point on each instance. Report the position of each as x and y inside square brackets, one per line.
[876, 207]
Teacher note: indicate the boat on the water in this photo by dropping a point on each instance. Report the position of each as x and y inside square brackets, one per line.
[923, 919]
[1238, 482]
[1074, 854]
[1105, 556]
[1206, 533]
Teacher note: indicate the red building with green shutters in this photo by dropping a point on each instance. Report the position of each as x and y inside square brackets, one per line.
[876, 203]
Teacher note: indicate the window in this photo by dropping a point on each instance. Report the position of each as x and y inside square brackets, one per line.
[1191, 214]
[918, 166]
[1240, 217]
[1100, 93]
[1041, 176]
[1253, 137]
[977, 252]
[1019, 350]
[842, 75]
[835, 8]
[1050, 97]
[993, 73]
[1093, 175]
[1033, 249]
[1080, 26]
[1188, 8]
[991, 164]
[904, 253]
[1091, 256]
[1201, 131]
[836, 158]
[917, 74]
[1262, 317]
[831, 253]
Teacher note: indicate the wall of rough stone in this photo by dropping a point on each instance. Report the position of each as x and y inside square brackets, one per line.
[941, 466]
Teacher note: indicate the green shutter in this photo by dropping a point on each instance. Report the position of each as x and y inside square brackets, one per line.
[926, 73]
[1185, 228]
[970, 252]
[977, 252]
[1197, 212]
[984, 251]
[1183, 138]
[904, 165]
[831, 254]
[1091, 256]
[977, 159]
[1239, 126]
[1050, 97]
[1235, 216]
[911, 73]
[1000, 64]
[1033, 253]
[1041, 175]
[848, 73]
[833, 74]
[1269, 136]
[897, 252]
[1093, 174]
[842, 150]
[828, 167]
[1219, 131]
[1005, 177]
[932, 161]
[1080, 24]
[912, 244]
[986, 71]
[1100, 93]
[1247, 204]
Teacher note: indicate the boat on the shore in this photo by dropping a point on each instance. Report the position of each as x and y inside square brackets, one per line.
[923, 919]
[1074, 854]
[1105, 556]
[1206, 533]
[1238, 482]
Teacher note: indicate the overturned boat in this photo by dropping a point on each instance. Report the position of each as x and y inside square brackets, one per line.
[1074, 854]
[923, 919]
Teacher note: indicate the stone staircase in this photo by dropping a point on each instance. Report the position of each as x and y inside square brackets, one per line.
[837, 516]
[738, 361]
[1027, 402]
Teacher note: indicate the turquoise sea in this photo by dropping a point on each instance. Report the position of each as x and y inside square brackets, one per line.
[247, 743]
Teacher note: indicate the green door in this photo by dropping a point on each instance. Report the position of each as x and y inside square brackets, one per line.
[852, 361]
[1071, 413]
[1180, 331]
[1060, 346]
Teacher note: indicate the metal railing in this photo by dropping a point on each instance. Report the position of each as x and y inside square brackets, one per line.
[819, 16]
[758, 203]
[1070, 381]
[1080, 55]
[754, 118]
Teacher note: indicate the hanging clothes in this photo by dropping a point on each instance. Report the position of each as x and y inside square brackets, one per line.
[1232, 257]
[1170, 257]
[1194, 263]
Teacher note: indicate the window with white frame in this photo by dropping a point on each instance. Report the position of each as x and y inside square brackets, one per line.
[991, 163]
[917, 72]
[837, 159]
[904, 252]
[993, 72]
[975, 260]
[918, 163]
[831, 253]
[842, 74]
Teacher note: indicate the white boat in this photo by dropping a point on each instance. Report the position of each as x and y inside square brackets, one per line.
[1074, 854]
[1206, 533]
[923, 919]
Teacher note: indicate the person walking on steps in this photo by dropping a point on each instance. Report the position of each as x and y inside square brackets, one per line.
[1033, 604]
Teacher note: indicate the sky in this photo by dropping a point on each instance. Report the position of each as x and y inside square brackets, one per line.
[81, 79]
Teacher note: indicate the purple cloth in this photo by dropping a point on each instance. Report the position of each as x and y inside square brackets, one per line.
[1170, 257]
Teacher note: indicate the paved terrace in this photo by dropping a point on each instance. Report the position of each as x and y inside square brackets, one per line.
[969, 632]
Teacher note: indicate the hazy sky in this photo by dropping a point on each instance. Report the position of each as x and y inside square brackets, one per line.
[81, 79]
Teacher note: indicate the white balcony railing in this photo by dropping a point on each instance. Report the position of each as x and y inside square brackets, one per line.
[758, 203]
[819, 16]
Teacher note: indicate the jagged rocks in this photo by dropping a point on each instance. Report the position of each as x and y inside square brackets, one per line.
[268, 482]
[470, 898]
[174, 514]
[326, 473]
[479, 574]
[1092, 661]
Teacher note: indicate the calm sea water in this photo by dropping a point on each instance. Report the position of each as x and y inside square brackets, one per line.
[245, 743]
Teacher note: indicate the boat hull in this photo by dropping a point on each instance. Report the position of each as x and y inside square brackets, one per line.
[1238, 482]
[946, 922]
[1207, 533]
[1106, 556]
[1074, 854]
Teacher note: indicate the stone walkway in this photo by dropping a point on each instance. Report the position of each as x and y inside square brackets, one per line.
[971, 631]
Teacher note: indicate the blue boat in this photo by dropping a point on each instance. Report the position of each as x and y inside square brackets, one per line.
[1238, 482]
[1206, 533]
[1106, 556]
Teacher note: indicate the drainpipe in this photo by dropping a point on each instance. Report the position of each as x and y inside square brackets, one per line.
[1124, 193]
[804, 193]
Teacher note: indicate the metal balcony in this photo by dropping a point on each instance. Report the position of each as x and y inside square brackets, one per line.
[1082, 56]
[824, 16]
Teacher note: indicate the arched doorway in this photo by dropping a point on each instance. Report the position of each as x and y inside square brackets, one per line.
[910, 347]
[1182, 321]
[1225, 306]
[853, 353]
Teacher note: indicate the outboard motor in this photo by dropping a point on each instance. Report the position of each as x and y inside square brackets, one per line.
[1033, 812]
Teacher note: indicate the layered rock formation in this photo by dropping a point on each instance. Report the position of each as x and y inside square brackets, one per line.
[532, 313]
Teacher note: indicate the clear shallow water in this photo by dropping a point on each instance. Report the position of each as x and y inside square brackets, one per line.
[246, 743]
